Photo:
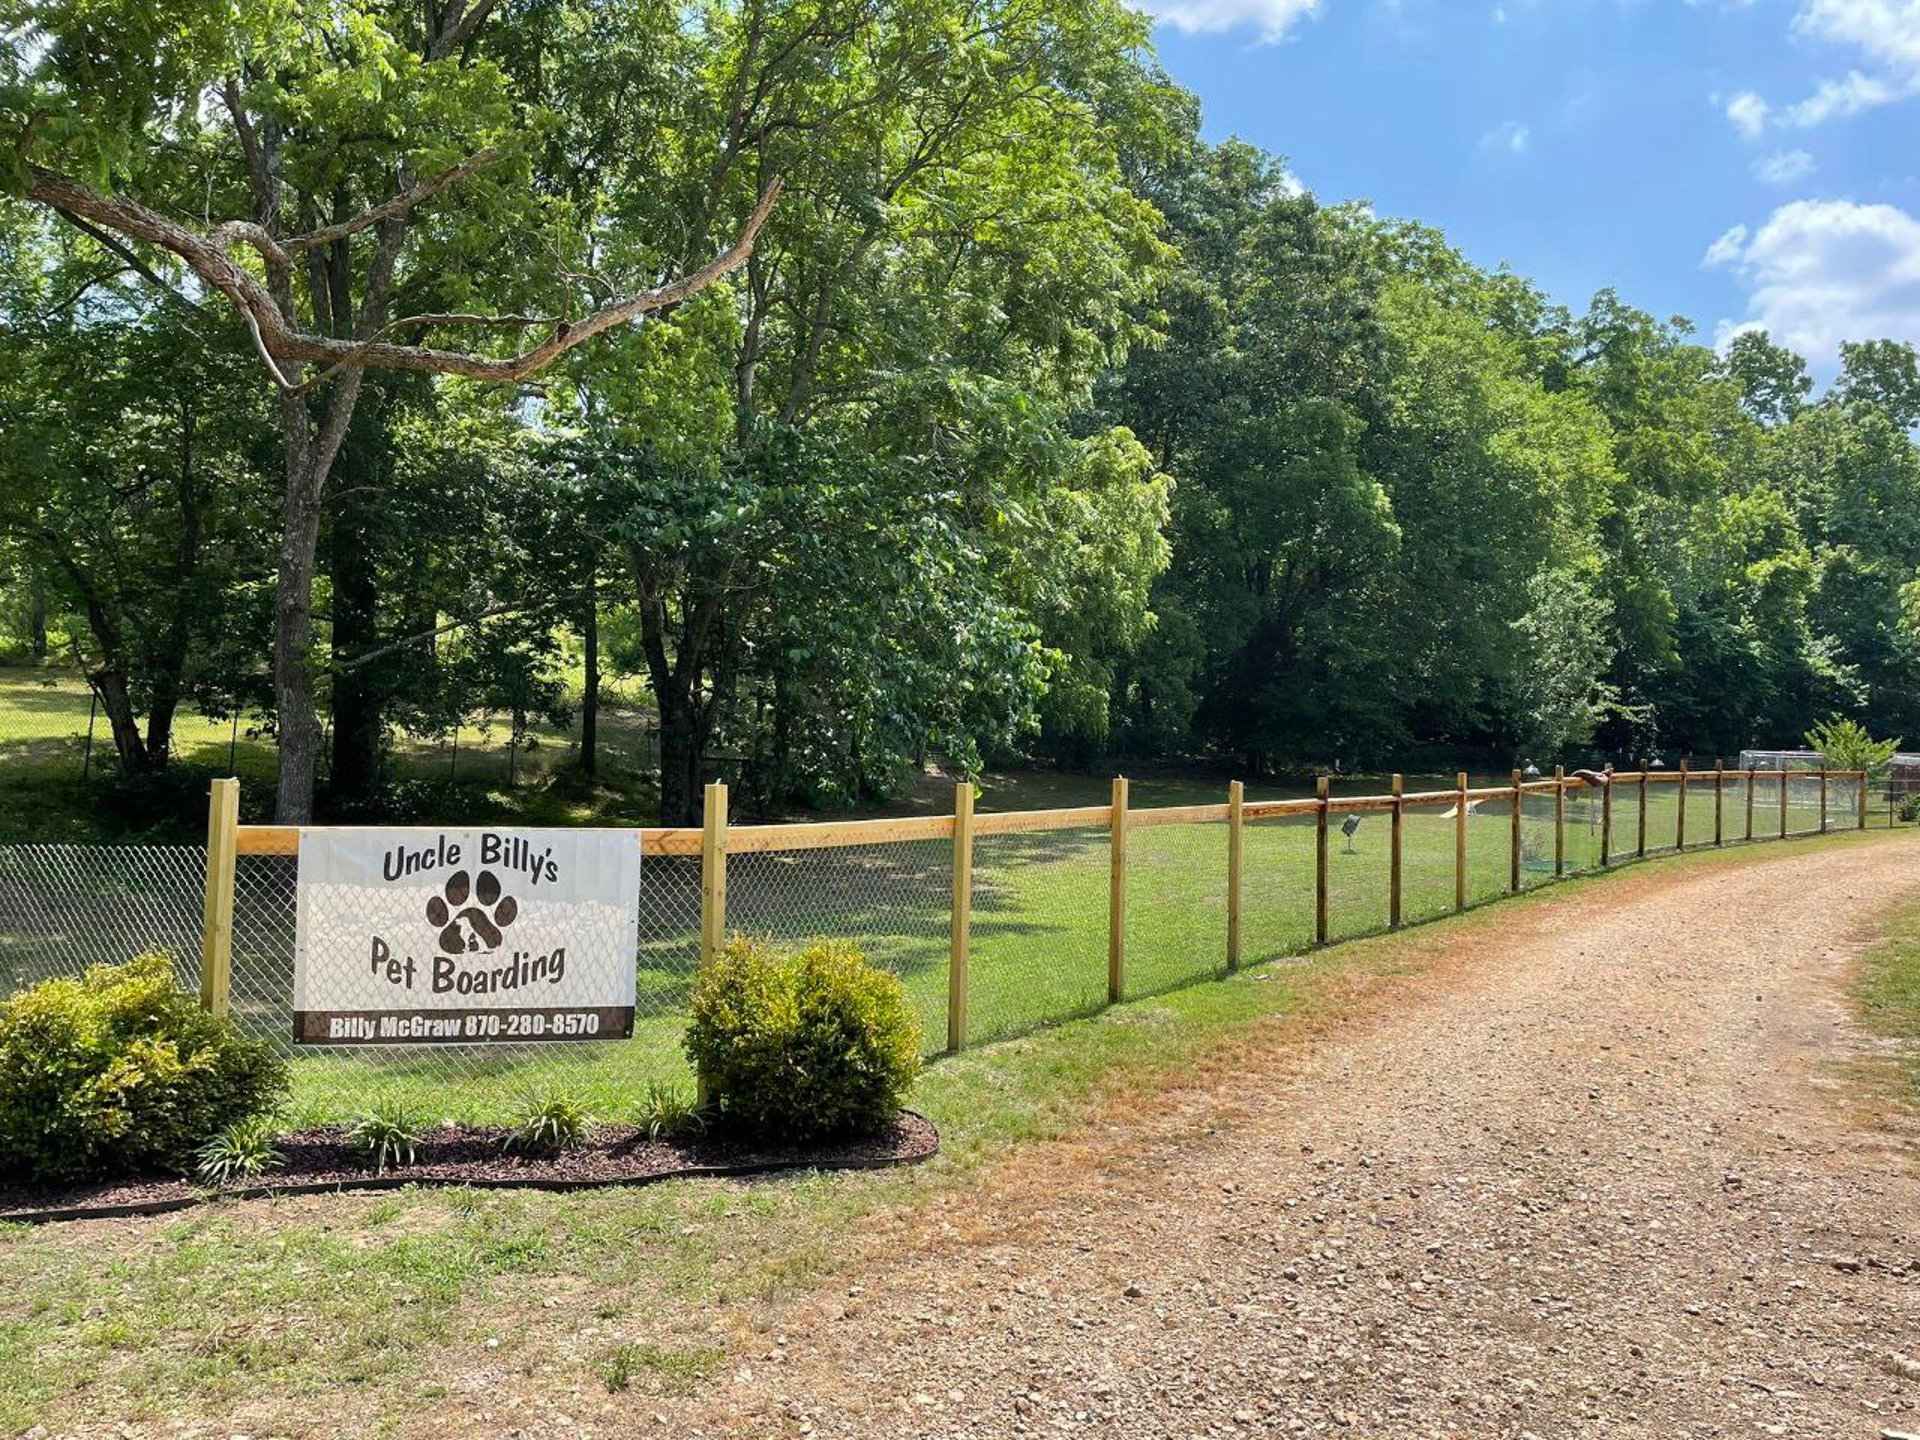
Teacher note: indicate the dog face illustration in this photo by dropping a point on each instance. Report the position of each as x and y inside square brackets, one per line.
[471, 913]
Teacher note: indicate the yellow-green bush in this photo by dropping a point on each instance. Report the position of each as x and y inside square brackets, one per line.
[802, 1046]
[118, 1072]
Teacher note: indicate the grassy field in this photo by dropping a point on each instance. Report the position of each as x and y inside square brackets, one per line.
[252, 1315]
[44, 757]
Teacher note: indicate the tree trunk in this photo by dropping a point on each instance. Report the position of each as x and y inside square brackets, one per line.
[680, 745]
[309, 452]
[37, 613]
[111, 686]
[109, 678]
[160, 712]
[590, 690]
[357, 702]
[293, 699]
[780, 786]
[176, 639]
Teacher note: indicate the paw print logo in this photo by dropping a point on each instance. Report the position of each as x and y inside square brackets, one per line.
[471, 913]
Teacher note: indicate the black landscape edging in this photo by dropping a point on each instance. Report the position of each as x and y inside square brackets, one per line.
[401, 1181]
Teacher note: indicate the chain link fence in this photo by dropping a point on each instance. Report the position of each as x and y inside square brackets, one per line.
[1039, 935]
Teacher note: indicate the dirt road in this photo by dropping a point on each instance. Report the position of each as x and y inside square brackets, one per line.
[1598, 1178]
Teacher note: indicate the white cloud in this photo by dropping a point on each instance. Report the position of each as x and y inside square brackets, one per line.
[1748, 112]
[1887, 31]
[1510, 137]
[1841, 98]
[1727, 248]
[1271, 19]
[1885, 36]
[1822, 271]
[1783, 167]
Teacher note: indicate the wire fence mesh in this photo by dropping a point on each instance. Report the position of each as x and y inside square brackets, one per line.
[1276, 914]
[1427, 861]
[64, 907]
[1038, 937]
[1039, 934]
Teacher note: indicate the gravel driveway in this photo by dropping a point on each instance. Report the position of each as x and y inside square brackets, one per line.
[1599, 1177]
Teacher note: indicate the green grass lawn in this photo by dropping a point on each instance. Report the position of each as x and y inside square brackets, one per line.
[380, 1307]
[44, 756]
[50, 792]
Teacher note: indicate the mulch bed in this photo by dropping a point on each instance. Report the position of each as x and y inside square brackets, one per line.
[323, 1160]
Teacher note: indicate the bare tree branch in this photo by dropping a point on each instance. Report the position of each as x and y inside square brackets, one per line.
[117, 246]
[453, 36]
[398, 205]
[74, 296]
[503, 607]
[276, 337]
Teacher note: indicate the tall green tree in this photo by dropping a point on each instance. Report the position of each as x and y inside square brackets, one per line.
[130, 482]
[375, 160]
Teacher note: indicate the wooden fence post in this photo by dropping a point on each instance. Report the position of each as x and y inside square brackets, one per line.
[1823, 799]
[1513, 862]
[1460, 846]
[1559, 821]
[713, 872]
[1640, 841]
[1783, 800]
[1236, 834]
[1325, 791]
[216, 931]
[713, 895]
[1680, 818]
[962, 937]
[1860, 799]
[1750, 775]
[1606, 820]
[1394, 871]
[1719, 801]
[1117, 895]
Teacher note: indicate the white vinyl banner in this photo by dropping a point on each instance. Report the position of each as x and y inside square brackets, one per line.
[465, 937]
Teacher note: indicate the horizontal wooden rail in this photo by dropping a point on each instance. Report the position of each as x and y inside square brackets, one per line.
[674, 840]
[266, 840]
[1178, 815]
[1022, 822]
[832, 834]
[1276, 809]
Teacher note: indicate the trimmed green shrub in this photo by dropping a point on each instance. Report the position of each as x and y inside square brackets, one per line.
[119, 1072]
[802, 1046]
[1908, 809]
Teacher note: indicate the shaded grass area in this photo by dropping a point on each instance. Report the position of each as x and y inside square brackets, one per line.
[50, 789]
[378, 1307]
[1887, 990]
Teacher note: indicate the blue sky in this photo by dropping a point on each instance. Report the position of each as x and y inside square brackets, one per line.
[1738, 162]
